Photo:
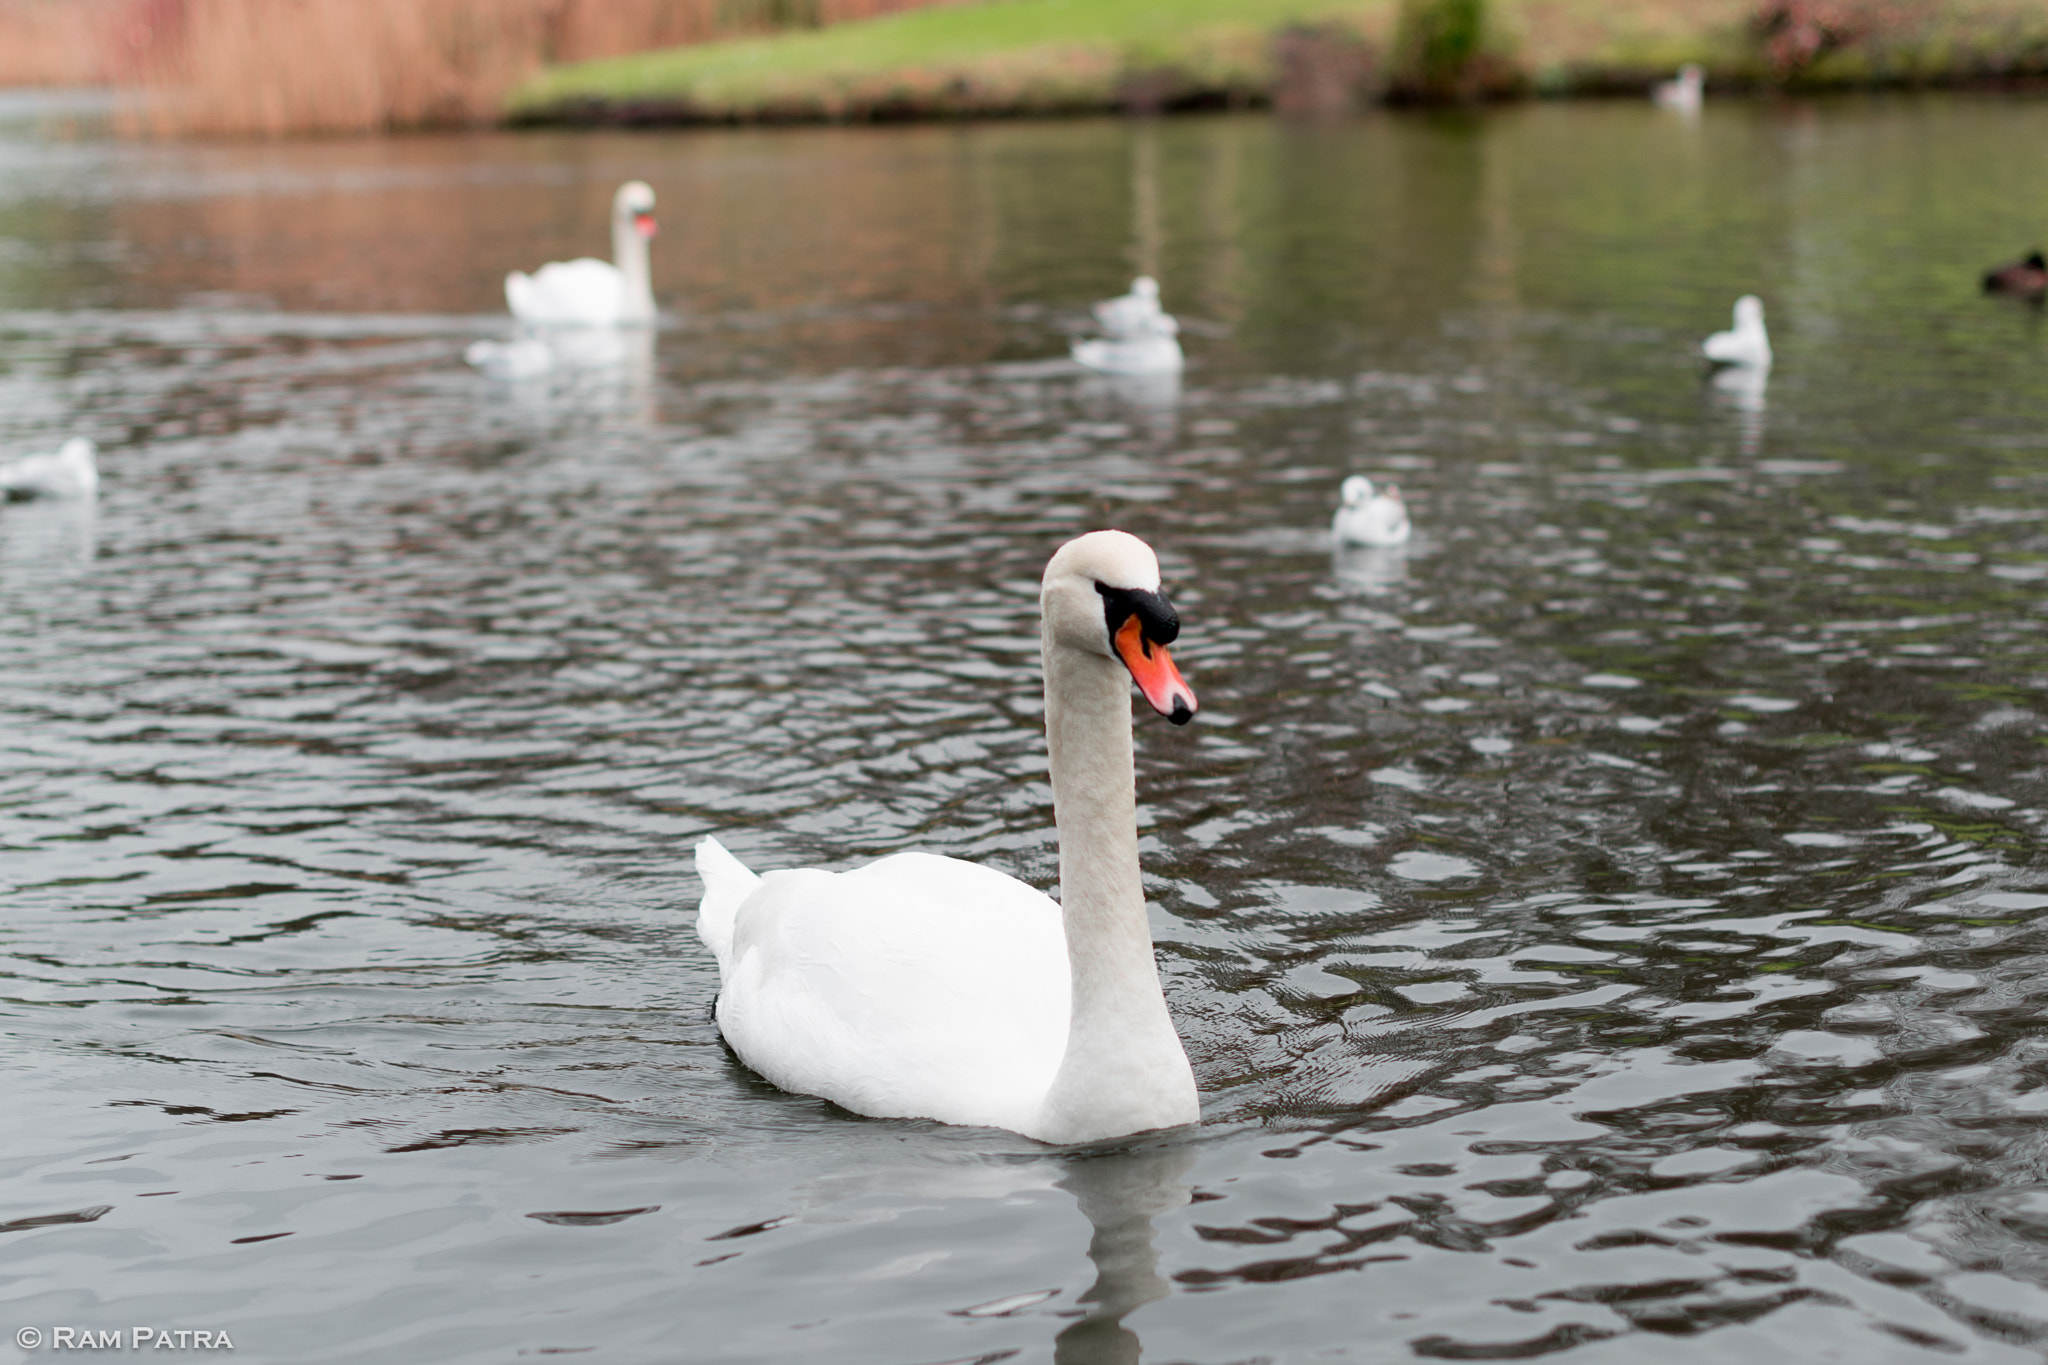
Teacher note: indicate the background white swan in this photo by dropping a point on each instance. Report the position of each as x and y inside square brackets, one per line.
[1747, 343]
[922, 986]
[592, 293]
[72, 472]
[1369, 515]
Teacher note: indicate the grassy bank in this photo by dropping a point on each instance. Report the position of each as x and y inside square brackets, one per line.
[1053, 56]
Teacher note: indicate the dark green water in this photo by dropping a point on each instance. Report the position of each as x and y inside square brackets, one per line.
[1610, 928]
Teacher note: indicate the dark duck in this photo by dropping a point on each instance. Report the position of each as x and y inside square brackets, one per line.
[2027, 279]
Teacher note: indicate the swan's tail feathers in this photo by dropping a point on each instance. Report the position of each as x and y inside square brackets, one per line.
[727, 883]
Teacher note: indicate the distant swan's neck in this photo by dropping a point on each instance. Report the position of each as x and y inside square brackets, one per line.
[629, 254]
[1124, 1069]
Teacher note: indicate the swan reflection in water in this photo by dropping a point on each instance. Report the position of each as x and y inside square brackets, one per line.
[47, 533]
[1120, 1193]
[592, 368]
[1151, 401]
[1160, 390]
[1370, 569]
[1739, 389]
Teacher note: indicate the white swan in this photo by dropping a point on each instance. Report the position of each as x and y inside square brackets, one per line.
[1132, 314]
[593, 293]
[1685, 94]
[72, 472]
[1747, 343]
[1370, 516]
[927, 987]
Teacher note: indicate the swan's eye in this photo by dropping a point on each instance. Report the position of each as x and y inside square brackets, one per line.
[1157, 620]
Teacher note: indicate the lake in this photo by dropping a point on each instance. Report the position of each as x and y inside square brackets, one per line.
[1609, 928]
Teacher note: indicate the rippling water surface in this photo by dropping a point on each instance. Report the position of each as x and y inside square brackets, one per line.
[1610, 928]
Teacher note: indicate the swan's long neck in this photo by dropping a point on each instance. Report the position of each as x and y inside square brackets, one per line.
[629, 254]
[1124, 1069]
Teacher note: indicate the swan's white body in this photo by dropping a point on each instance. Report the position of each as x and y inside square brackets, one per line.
[1370, 516]
[1133, 314]
[1747, 343]
[1685, 94]
[928, 987]
[593, 293]
[914, 987]
[72, 472]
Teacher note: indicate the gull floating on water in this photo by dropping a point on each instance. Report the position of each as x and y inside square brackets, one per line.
[1133, 314]
[1142, 339]
[1747, 343]
[1370, 516]
[593, 293]
[72, 472]
[1684, 94]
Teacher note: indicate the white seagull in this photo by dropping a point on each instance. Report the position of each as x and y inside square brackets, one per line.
[72, 472]
[1132, 314]
[1139, 338]
[1370, 516]
[1747, 343]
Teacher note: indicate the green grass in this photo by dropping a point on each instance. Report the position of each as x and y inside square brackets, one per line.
[1044, 52]
[1050, 56]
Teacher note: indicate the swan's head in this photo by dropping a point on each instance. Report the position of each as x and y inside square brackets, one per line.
[1145, 287]
[1357, 490]
[81, 452]
[1749, 312]
[634, 203]
[1101, 596]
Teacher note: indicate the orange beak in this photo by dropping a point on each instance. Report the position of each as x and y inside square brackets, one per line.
[1152, 669]
[643, 223]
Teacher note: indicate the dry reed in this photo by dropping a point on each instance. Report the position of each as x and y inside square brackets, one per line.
[59, 42]
[279, 67]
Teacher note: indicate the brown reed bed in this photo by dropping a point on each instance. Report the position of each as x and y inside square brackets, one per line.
[273, 68]
[57, 42]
